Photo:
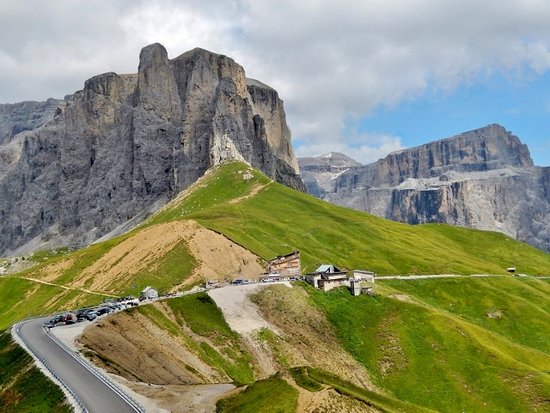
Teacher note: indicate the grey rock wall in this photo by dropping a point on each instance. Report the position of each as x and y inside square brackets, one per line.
[482, 179]
[126, 144]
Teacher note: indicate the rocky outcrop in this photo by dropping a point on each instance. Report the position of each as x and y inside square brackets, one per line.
[125, 144]
[24, 116]
[483, 179]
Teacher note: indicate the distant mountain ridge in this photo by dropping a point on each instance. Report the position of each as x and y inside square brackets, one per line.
[482, 179]
[319, 172]
[71, 171]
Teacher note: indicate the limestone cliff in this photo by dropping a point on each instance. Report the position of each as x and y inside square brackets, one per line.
[483, 179]
[125, 144]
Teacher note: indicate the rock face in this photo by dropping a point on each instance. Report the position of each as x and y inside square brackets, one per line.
[73, 170]
[483, 179]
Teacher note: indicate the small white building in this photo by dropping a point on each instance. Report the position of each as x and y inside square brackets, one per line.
[364, 275]
[327, 277]
[148, 293]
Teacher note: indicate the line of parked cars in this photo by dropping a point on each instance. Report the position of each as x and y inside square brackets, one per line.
[91, 313]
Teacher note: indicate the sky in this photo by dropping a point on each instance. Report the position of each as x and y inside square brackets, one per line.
[360, 77]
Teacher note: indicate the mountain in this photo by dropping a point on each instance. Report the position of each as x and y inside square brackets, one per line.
[416, 346]
[318, 173]
[72, 171]
[482, 179]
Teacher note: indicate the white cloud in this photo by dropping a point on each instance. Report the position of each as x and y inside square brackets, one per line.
[362, 147]
[330, 61]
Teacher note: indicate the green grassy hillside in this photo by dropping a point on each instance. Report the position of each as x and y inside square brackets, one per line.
[278, 219]
[20, 298]
[272, 395]
[23, 388]
[443, 351]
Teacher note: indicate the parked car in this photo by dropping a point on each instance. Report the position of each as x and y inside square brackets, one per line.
[90, 315]
[103, 310]
[69, 318]
[50, 323]
[57, 319]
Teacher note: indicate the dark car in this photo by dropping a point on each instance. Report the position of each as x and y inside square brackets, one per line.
[56, 320]
[103, 310]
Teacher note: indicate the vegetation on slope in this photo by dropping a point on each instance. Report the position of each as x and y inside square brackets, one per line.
[20, 298]
[110, 260]
[432, 357]
[204, 318]
[272, 395]
[278, 219]
[23, 388]
[515, 308]
[188, 336]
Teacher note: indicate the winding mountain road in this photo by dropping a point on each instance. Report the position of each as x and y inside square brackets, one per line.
[93, 392]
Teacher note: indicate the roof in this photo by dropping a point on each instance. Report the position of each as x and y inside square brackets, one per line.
[327, 268]
[290, 254]
[148, 288]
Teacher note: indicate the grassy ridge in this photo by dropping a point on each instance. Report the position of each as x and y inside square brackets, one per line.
[272, 395]
[279, 219]
[385, 403]
[23, 388]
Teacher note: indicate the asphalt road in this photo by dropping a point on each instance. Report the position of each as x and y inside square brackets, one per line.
[94, 394]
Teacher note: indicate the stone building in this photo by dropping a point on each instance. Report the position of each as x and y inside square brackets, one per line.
[288, 265]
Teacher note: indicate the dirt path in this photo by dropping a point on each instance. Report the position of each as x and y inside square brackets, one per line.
[239, 312]
[64, 287]
[244, 317]
[255, 189]
[424, 277]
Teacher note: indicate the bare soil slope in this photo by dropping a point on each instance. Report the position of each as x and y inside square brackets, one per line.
[134, 347]
[144, 251]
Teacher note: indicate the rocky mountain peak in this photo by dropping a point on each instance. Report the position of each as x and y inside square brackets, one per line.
[123, 145]
[320, 173]
[332, 160]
